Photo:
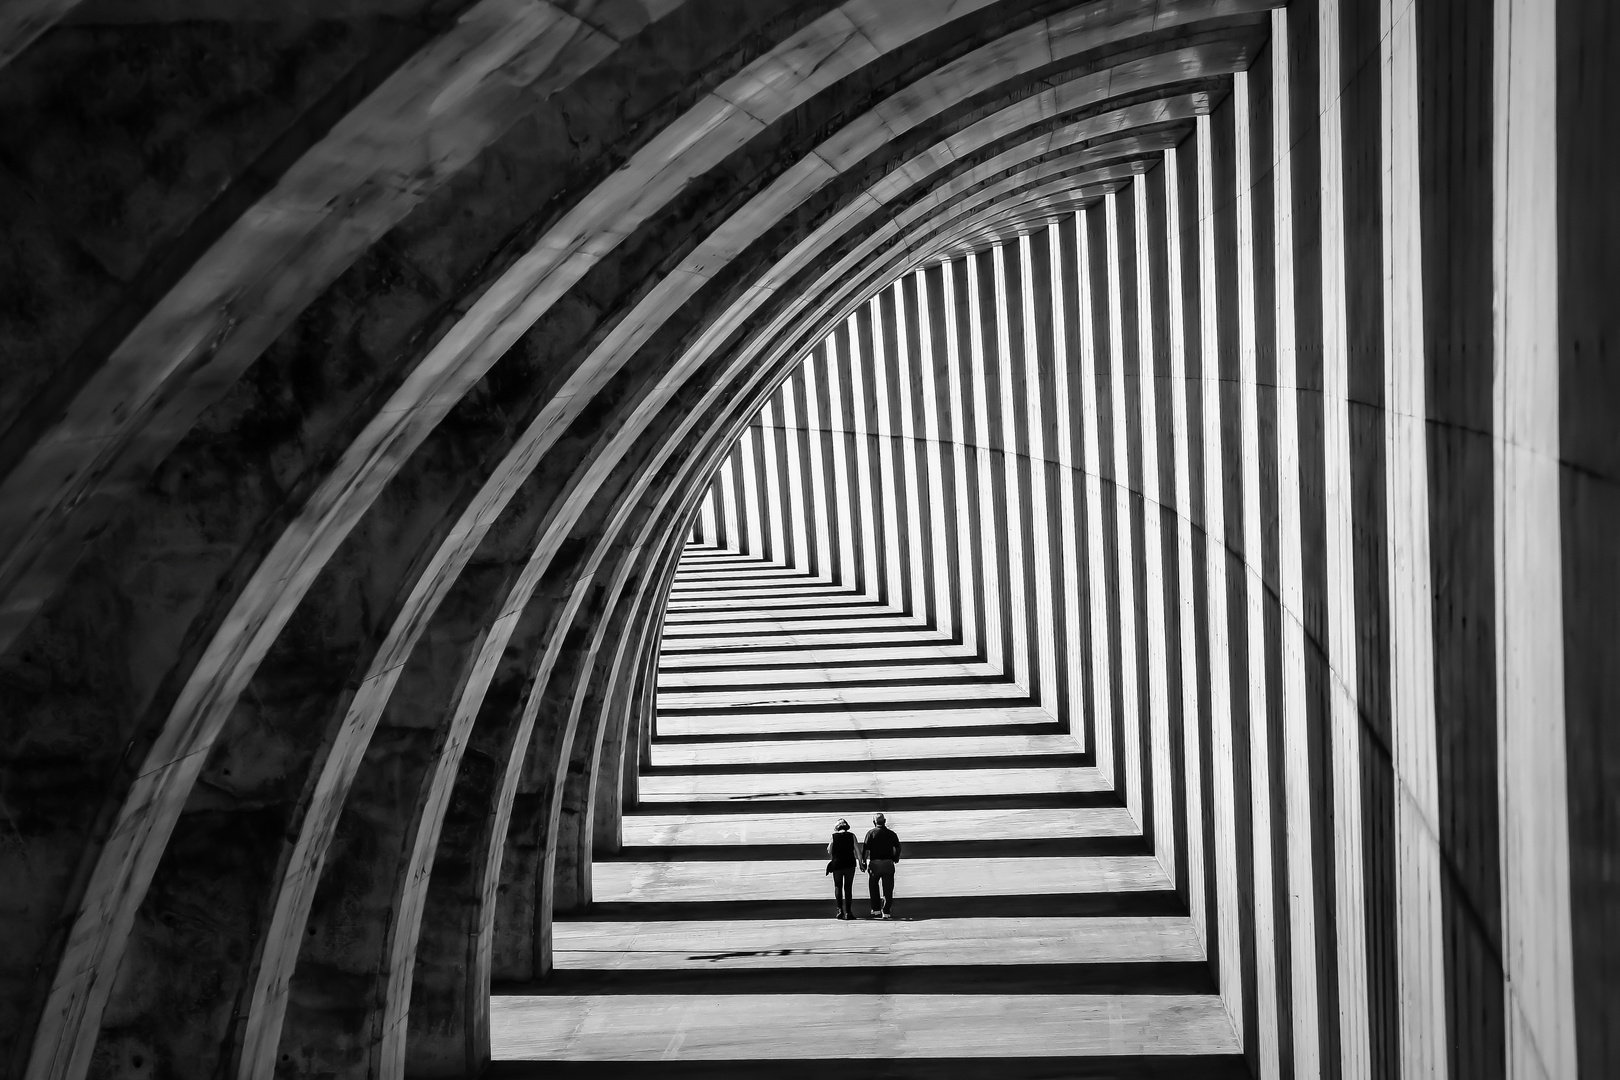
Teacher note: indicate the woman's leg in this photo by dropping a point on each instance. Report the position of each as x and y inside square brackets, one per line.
[844, 888]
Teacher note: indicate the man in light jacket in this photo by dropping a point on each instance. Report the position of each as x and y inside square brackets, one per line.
[879, 852]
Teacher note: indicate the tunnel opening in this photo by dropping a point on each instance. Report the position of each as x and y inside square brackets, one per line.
[880, 607]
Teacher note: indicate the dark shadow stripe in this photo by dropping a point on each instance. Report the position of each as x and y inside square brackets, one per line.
[1175, 1067]
[986, 761]
[902, 631]
[674, 649]
[787, 615]
[1039, 728]
[895, 682]
[814, 665]
[768, 805]
[811, 603]
[1144, 977]
[815, 852]
[906, 909]
[955, 704]
[700, 593]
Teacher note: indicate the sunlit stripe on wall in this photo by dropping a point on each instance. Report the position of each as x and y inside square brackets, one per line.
[824, 515]
[1159, 658]
[929, 352]
[802, 499]
[1044, 643]
[1101, 679]
[907, 354]
[878, 372]
[745, 538]
[843, 463]
[1192, 748]
[1069, 566]
[1220, 668]
[752, 488]
[1296, 739]
[728, 534]
[988, 525]
[868, 542]
[1421, 949]
[1125, 562]
[706, 517]
[1259, 795]
[966, 564]
[1350, 906]
[772, 508]
[1537, 944]
[1012, 528]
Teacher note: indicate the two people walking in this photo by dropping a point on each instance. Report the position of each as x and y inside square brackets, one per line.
[876, 855]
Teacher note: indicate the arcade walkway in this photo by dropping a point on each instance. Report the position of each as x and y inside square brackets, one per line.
[1168, 453]
[1035, 933]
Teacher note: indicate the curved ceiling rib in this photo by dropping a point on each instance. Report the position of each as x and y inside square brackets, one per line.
[367, 365]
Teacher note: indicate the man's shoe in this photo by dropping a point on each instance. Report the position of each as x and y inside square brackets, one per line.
[877, 913]
[886, 915]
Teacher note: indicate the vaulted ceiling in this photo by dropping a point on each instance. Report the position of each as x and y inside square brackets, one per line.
[364, 366]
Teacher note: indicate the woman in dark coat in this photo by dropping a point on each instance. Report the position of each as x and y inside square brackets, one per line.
[841, 865]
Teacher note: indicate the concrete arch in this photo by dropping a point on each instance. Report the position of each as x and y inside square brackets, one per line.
[342, 490]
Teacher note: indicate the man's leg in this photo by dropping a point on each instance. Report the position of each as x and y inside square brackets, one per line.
[888, 889]
[873, 881]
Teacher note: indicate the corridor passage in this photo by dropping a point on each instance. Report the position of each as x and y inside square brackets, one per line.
[1034, 931]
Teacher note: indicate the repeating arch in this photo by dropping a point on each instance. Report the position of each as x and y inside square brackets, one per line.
[1200, 369]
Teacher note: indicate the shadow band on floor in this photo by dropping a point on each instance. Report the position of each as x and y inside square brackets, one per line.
[816, 855]
[849, 765]
[773, 803]
[906, 909]
[1154, 977]
[1047, 727]
[1201, 1066]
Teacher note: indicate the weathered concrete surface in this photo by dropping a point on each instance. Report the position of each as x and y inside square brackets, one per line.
[247, 268]
[276, 405]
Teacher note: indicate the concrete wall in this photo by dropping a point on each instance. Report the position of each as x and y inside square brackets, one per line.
[364, 370]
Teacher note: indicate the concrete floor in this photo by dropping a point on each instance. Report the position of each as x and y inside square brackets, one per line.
[1034, 932]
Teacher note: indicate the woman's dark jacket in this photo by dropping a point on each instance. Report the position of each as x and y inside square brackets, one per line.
[842, 850]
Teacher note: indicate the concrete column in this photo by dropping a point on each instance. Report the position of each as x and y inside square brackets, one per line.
[1270, 925]
[1223, 747]
[1538, 942]
[1101, 703]
[1070, 568]
[1035, 303]
[1118, 492]
[1158, 512]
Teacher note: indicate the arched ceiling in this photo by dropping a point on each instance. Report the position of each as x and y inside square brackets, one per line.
[362, 368]
[327, 309]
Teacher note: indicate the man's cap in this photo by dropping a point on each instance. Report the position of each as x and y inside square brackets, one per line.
[878, 819]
